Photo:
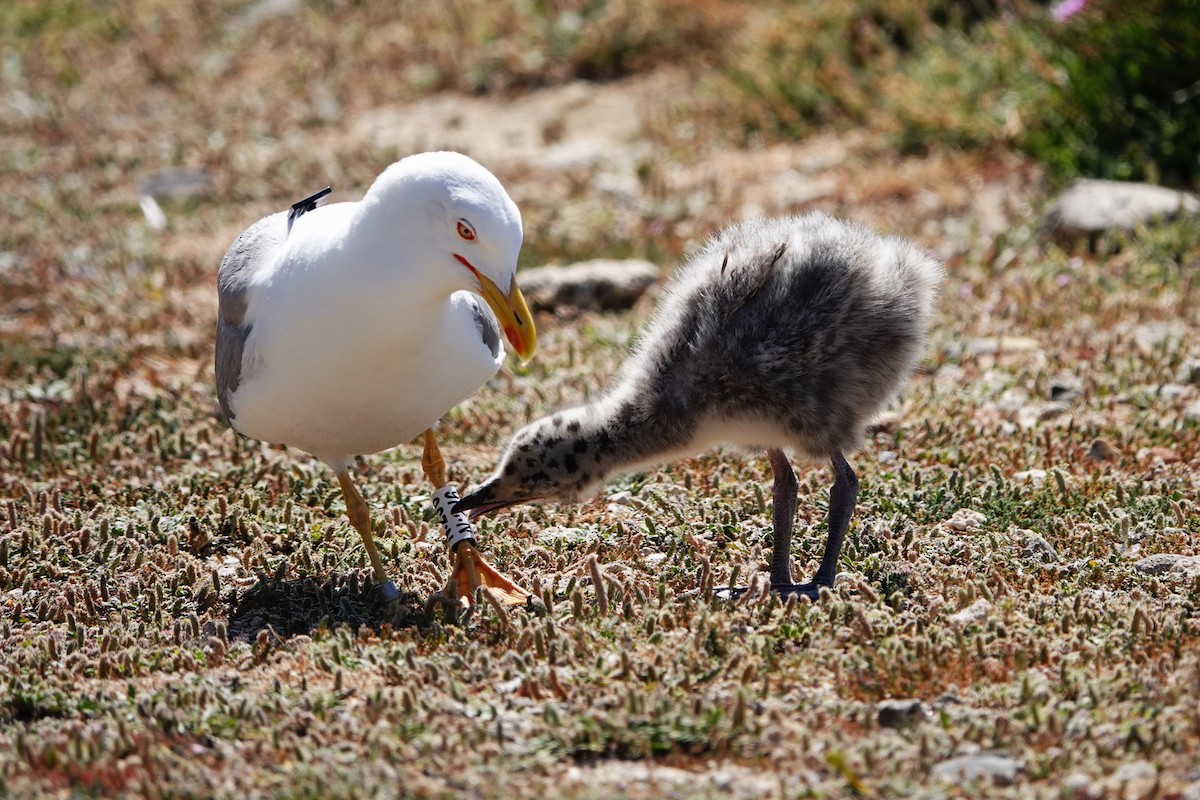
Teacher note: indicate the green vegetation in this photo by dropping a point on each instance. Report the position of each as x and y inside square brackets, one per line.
[1128, 104]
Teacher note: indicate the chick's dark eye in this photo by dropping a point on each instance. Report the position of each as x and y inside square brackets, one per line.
[465, 230]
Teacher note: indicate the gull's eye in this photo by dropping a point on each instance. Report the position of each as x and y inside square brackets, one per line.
[465, 230]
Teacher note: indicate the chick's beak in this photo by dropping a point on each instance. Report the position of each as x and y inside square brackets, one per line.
[511, 311]
[482, 501]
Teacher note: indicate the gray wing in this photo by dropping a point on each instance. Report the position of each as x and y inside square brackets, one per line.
[254, 249]
[489, 329]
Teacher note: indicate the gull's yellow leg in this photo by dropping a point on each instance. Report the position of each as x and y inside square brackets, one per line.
[468, 569]
[360, 518]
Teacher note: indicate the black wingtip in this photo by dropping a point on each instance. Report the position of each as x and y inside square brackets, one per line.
[302, 207]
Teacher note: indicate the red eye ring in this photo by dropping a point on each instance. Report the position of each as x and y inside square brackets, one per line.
[465, 230]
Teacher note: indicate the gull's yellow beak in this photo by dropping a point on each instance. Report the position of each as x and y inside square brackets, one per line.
[513, 315]
[511, 312]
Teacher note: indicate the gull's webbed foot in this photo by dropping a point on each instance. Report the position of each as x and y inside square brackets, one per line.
[470, 571]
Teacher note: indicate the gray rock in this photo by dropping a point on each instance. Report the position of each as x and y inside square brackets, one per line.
[973, 614]
[177, 184]
[996, 768]
[1089, 207]
[1035, 547]
[600, 285]
[1191, 791]
[1158, 564]
[899, 713]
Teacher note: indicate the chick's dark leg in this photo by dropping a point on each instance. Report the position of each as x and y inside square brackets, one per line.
[360, 518]
[783, 514]
[842, 499]
[783, 517]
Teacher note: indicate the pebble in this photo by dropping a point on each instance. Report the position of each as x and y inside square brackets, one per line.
[1101, 450]
[1030, 415]
[1164, 454]
[1035, 547]
[1065, 388]
[899, 713]
[999, 345]
[966, 519]
[997, 768]
[976, 612]
[177, 184]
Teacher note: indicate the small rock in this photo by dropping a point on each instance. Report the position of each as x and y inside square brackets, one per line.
[178, 184]
[899, 713]
[1101, 450]
[999, 345]
[966, 519]
[947, 699]
[1093, 206]
[1172, 391]
[1062, 394]
[974, 613]
[1192, 413]
[1065, 388]
[1158, 563]
[1191, 791]
[1030, 415]
[1035, 547]
[599, 285]
[996, 768]
[1164, 454]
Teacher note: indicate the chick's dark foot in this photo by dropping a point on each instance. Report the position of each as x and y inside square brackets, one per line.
[810, 590]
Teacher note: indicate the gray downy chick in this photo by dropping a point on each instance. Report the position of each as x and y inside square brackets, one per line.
[784, 335]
